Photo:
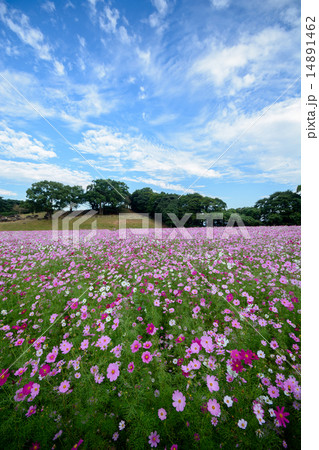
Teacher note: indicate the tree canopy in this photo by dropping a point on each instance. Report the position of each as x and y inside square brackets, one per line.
[110, 196]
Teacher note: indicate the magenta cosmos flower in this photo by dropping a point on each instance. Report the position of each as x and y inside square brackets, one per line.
[4, 376]
[179, 401]
[31, 410]
[130, 367]
[64, 386]
[44, 370]
[154, 439]
[213, 407]
[113, 372]
[147, 357]
[150, 329]
[281, 416]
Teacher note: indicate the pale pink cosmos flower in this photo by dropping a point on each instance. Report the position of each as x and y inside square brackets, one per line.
[64, 386]
[212, 383]
[242, 424]
[84, 344]
[65, 347]
[179, 401]
[213, 407]
[162, 413]
[113, 371]
[35, 390]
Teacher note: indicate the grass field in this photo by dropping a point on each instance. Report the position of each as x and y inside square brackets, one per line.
[140, 343]
[109, 222]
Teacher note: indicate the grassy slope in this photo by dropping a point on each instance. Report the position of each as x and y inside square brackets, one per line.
[110, 222]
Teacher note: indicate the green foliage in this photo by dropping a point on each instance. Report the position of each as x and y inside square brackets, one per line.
[107, 196]
[47, 196]
[280, 208]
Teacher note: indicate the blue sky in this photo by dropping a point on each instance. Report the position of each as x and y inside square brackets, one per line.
[151, 92]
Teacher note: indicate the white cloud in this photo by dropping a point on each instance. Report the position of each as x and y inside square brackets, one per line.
[48, 6]
[59, 67]
[33, 172]
[108, 20]
[4, 192]
[137, 154]
[157, 19]
[247, 62]
[16, 144]
[220, 4]
[163, 118]
[269, 145]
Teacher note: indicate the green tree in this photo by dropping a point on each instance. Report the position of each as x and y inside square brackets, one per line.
[47, 196]
[140, 200]
[107, 195]
[74, 195]
[280, 208]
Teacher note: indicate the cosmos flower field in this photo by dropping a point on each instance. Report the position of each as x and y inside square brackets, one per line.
[141, 343]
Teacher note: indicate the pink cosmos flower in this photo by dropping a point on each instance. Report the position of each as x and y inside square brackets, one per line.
[84, 344]
[179, 401]
[147, 344]
[31, 410]
[98, 378]
[281, 416]
[20, 396]
[35, 390]
[136, 346]
[65, 347]
[147, 357]
[51, 357]
[113, 371]
[212, 383]
[162, 413]
[195, 348]
[180, 339]
[64, 386]
[213, 407]
[154, 439]
[273, 391]
[130, 367]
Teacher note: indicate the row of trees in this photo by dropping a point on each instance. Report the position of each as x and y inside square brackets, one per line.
[110, 196]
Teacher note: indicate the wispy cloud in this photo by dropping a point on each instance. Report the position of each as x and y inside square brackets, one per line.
[7, 193]
[19, 24]
[48, 6]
